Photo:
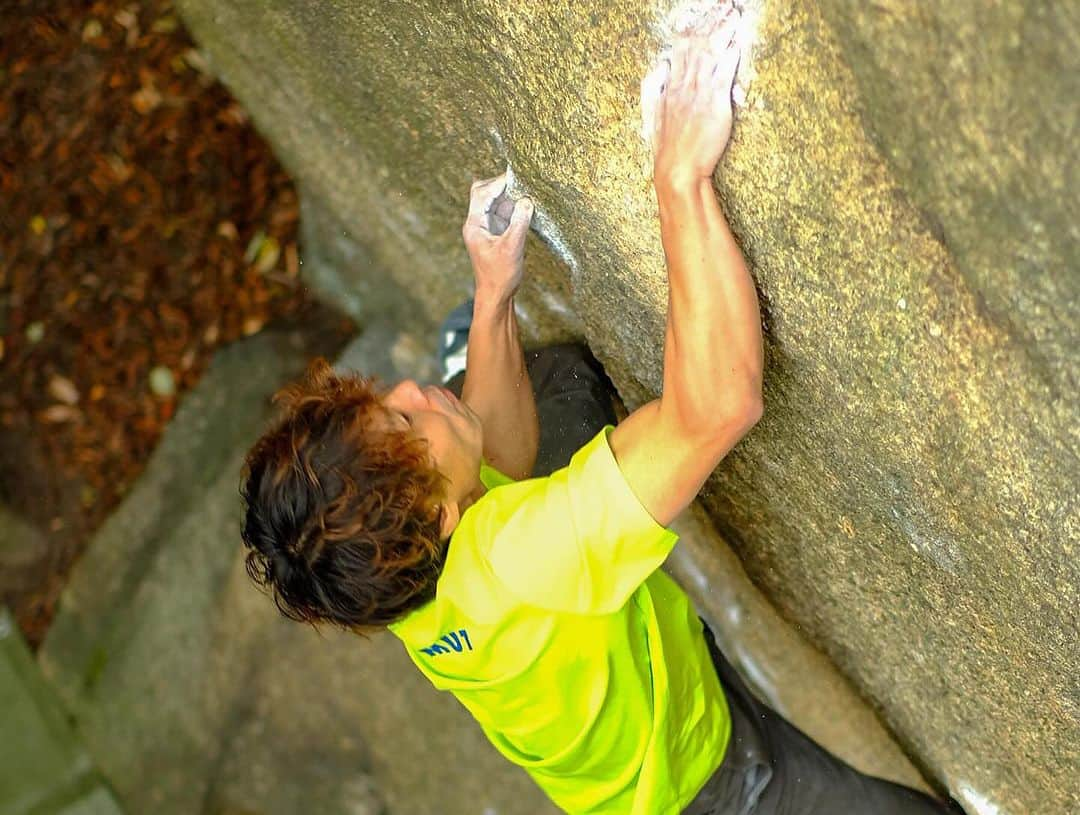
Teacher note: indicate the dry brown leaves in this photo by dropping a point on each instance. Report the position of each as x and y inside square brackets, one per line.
[143, 224]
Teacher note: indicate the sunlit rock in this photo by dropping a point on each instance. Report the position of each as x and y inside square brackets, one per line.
[903, 182]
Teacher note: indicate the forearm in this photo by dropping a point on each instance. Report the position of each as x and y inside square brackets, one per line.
[713, 351]
[497, 387]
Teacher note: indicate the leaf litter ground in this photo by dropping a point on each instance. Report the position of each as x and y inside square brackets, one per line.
[144, 224]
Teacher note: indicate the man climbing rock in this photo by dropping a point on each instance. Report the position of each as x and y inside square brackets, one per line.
[511, 538]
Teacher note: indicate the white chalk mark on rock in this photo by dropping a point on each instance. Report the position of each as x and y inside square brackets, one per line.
[542, 223]
[560, 309]
[930, 543]
[976, 802]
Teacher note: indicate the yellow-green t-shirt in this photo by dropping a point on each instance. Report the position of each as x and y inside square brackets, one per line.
[581, 660]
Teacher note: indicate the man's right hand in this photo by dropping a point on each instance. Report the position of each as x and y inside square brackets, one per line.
[687, 102]
[498, 260]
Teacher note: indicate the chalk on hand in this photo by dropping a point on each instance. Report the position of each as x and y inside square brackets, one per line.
[499, 212]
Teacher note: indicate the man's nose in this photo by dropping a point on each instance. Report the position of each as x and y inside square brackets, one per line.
[406, 392]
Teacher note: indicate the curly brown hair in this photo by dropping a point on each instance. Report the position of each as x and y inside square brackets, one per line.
[341, 510]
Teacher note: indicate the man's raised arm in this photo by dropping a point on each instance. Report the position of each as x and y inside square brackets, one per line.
[497, 384]
[713, 350]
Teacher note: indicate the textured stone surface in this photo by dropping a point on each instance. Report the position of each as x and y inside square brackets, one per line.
[902, 182]
[43, 768]
[982, 136]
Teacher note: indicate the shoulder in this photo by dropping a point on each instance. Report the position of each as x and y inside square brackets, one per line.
[578, 540]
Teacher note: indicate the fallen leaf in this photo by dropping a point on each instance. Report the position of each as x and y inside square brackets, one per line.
[35, 332]
[267, 259]
[234, 115]
[146, 99]
[162, 382]
[253, 247]
[87, 495]
[63, 390]
[57, 414]
[120, 169]
[252, 325]
[197, 60]
[127, 17]
[92, 30]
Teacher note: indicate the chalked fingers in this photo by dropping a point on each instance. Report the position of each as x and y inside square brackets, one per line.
[481, 197]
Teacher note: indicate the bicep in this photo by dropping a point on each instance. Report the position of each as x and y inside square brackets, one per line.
[667, 459]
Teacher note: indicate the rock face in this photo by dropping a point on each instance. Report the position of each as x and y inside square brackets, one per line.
[903, 182]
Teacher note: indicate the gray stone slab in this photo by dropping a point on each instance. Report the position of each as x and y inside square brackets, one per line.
[43, 768]
[149, 668]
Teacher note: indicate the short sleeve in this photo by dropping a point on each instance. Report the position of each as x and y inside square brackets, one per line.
[492, 478]
[578, 540]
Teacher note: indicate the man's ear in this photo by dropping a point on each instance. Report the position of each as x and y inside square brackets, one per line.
[449, 515]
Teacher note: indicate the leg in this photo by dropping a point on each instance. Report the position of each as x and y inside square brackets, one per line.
[573, 401]
[742, 778]
[805, 778]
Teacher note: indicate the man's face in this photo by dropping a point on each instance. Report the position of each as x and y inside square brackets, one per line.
[452, 430]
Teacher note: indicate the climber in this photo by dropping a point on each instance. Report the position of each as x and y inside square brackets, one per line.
[510, 534]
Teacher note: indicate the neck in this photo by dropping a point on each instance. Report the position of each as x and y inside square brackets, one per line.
[473, 497]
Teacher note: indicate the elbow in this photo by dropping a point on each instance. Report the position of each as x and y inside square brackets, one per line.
[526, 471]
[753, 407]
[527, 463]
[742, 407]
[752, 412]
[750, 404]
[732, 415]
[742, 412]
